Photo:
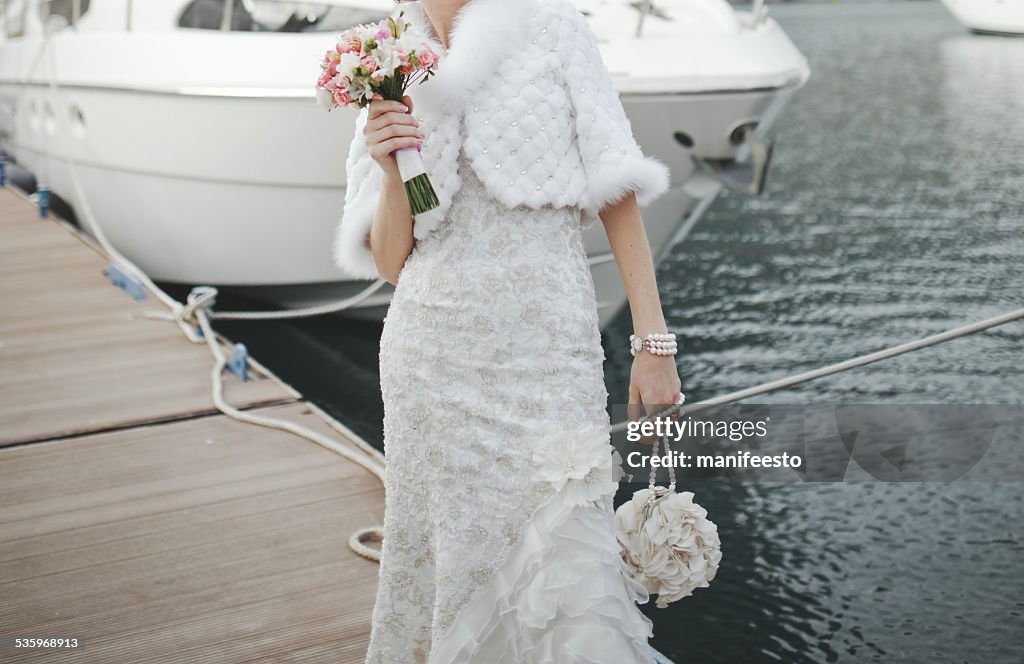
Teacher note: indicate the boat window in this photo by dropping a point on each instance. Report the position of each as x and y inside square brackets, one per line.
[69, 10]
[274, 16]
[56, 14]
[210, 14]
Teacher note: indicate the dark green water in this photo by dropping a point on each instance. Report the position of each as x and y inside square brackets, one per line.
[895, 209]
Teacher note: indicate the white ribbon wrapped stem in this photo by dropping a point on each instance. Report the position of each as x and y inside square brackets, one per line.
[410, 163]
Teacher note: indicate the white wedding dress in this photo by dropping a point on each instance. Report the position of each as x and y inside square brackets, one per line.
[498, 538]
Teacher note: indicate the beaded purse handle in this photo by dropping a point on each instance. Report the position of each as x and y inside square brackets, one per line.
[658, 492]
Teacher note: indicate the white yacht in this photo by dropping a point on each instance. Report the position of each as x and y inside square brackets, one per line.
[999, 17]
[189, 128]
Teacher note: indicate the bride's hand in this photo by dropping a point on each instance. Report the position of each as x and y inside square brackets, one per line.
[653, 384]
[390, 126]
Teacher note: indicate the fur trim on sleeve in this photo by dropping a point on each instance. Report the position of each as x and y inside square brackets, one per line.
[647, 177]
[352, 240]
[352, 252]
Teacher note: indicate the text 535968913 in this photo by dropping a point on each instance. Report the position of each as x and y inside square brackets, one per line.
[26, 643]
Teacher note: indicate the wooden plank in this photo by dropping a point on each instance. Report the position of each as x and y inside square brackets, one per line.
[199, 540]
[76, 353]
[135, 516]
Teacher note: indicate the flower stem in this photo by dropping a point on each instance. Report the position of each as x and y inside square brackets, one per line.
[422, 196]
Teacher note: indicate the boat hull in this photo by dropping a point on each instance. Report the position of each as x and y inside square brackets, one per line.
[243, 186]
[997, 17]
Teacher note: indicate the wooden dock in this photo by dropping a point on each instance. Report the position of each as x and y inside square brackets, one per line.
[133, 515]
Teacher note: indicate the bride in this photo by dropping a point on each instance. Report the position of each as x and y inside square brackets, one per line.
[498, 534]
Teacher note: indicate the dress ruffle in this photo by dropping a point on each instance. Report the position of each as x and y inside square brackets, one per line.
[563, 595]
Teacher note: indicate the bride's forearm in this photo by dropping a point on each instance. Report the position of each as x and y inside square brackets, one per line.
[628, 239]
[391, 238]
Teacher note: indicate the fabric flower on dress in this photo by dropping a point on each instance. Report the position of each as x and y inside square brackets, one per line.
[579, 464]
[674, 550]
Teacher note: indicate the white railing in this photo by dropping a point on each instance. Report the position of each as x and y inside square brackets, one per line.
[645, 9]
[227, 14]
[759, 11]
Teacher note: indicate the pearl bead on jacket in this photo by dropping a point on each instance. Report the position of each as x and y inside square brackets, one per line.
[524, 91]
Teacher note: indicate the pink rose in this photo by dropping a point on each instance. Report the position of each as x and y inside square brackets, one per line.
[427, 58]
[341, 98]
[350, 42]
[368, 64]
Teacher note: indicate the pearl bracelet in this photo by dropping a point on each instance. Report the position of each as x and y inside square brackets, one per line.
[656, 344]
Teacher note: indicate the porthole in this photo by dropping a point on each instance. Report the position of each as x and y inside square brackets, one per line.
[684, 139]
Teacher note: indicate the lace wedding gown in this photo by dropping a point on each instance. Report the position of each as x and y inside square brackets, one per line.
[498, 538]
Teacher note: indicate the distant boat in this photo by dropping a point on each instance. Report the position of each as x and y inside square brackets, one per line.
[997, 17]
[198, 146]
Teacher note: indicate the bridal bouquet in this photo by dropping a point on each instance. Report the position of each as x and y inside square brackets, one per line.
[378, 61]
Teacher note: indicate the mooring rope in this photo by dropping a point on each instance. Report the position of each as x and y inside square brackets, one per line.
[200, 301]
[846, 365]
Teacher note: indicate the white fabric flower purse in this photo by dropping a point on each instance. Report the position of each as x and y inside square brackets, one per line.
[667, 541]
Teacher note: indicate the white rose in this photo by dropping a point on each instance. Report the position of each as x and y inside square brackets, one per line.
[368, 31]
[359, 89]
[347, 64]
[387, 60]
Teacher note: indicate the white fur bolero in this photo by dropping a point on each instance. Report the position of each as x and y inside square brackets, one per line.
[524, 91]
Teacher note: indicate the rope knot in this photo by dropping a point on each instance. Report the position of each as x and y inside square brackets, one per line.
[201, 298]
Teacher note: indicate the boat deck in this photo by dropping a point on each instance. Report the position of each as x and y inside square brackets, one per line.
[133, 515]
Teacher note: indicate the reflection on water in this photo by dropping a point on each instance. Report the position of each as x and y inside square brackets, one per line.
[895, 209]
[983, 112]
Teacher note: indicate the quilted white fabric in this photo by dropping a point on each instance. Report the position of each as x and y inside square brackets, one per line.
[524, 90]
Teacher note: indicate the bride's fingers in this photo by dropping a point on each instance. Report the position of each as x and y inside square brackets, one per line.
[393, 131]
[383, 150]
[635, 411]
[380, 107]
[634, 407]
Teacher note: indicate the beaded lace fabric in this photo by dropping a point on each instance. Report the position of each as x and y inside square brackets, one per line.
[499, 544]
